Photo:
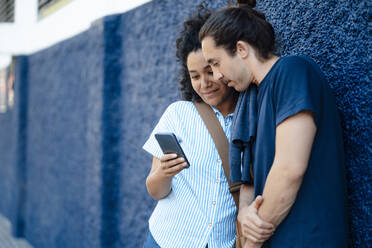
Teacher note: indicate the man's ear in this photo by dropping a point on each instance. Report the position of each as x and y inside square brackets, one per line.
[242, 49]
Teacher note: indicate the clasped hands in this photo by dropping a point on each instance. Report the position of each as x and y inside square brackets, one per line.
[256, 230]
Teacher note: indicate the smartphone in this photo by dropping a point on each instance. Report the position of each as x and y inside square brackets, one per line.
[169, 144]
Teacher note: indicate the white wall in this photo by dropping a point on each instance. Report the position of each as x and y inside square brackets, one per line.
[28, 34]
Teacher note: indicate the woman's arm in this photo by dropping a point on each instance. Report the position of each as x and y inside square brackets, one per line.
[159, 180]
[253, 227]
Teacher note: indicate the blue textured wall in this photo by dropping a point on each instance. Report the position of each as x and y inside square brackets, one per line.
[64, 145]
[13, 136]
[331, 32]
[86, 106]
[8, 171]
[334, 34]
[112, 120]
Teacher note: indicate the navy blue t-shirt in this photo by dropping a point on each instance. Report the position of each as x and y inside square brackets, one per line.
[318, 216]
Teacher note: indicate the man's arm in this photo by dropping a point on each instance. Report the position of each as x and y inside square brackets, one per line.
[293, 143]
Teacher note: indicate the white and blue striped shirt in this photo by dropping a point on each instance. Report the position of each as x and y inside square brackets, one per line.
[200, 209]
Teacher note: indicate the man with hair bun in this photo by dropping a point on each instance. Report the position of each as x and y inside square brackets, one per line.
[286, 139]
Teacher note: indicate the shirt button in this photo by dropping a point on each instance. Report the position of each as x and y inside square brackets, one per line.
[218, 160]
[226, 124]
[217, 180]
[214, 202]
[210, 224]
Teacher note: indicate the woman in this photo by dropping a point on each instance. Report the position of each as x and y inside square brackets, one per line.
[195, 206]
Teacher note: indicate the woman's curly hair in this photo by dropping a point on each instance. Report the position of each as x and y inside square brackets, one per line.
[188, 42]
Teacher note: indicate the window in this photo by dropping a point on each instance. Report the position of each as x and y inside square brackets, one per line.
[47, 7]
[7, 87]
[3, 96]
[6, 10]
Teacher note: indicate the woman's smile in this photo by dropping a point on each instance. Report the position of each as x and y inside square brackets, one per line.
[210, 93]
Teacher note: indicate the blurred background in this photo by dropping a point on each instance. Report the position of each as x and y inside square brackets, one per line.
[83, 83]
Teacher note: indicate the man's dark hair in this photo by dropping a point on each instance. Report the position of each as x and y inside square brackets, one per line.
[232, 24]
[188, 42]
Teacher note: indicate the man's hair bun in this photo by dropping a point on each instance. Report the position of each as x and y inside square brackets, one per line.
[246, 3]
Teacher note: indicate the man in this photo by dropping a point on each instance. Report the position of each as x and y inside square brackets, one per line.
[297, 150]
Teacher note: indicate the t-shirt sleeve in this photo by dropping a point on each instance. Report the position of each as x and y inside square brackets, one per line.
[167, 123]
[298, 87]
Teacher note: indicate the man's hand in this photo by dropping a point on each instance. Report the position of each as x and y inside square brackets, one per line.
[253, 227]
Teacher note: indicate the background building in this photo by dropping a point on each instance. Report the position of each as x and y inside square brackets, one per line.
[27, 26]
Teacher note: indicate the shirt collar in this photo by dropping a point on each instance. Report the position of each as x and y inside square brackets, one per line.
[217, 112]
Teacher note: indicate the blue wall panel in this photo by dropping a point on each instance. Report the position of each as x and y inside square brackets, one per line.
[13, 137]
[63, 207]
[111, 134]
[8, 169]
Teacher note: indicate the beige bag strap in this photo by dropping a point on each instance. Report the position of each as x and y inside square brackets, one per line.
[222, 144]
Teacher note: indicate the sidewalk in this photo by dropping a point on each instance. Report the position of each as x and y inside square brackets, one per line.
[6, 239]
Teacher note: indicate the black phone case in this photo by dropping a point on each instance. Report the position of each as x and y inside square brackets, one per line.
[169, 144]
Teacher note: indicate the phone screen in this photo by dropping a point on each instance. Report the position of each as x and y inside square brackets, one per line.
[169, 144]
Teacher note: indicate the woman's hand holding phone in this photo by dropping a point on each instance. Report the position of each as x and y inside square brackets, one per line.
[171, 165]
[159, 181]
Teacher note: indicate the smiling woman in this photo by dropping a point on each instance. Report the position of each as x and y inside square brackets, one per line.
[214, 93]
[190, 212]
